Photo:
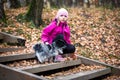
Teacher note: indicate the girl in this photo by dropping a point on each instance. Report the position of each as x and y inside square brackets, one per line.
[59, 29]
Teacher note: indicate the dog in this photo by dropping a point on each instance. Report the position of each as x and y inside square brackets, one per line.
[46, 51]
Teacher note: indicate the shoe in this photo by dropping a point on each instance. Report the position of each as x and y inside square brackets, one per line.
[59, 58]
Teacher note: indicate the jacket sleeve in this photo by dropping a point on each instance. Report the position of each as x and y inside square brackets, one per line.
[46, 32]
[69, 41]
[67, 34]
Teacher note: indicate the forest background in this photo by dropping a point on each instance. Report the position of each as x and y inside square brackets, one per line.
[95, 25]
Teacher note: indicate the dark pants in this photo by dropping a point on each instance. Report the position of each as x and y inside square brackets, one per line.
[69, 47]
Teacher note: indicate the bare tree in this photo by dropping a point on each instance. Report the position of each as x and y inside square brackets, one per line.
[2, 13]
[28, 2]
[110, 3]
[22, 2]
[79, 3]
[14, 3]
[87, 3]
[35, 12]
[116, 3]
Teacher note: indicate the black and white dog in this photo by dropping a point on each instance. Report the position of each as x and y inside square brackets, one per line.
[44, 51]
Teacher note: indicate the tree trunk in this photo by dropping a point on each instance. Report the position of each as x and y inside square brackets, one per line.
[87, 3]
[79, 3]
[68, 3]
[115, 3]
[35, 12]
[28, 2]
[14, 3]
[47, 4]
[2, 13]
[53, 3]
[22, 2]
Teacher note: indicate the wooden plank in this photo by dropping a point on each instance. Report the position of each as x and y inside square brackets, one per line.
[11, 49]
[1, 36]
[8, 38]
[16, 57]
[52, 66]
[7, 73]
[86, 75]
[84, 60]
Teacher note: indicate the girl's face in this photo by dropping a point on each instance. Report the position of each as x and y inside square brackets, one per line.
[62, 18]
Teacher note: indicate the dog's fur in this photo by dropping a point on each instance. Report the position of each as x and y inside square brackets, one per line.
[44, 51]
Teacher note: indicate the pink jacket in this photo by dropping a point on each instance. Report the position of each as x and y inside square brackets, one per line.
[52, 30]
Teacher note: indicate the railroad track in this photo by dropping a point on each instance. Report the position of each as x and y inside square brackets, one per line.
[38, 71]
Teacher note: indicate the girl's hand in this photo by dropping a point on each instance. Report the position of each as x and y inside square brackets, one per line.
[46, 43]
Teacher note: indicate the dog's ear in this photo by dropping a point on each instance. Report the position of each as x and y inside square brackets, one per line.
[37, 47]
